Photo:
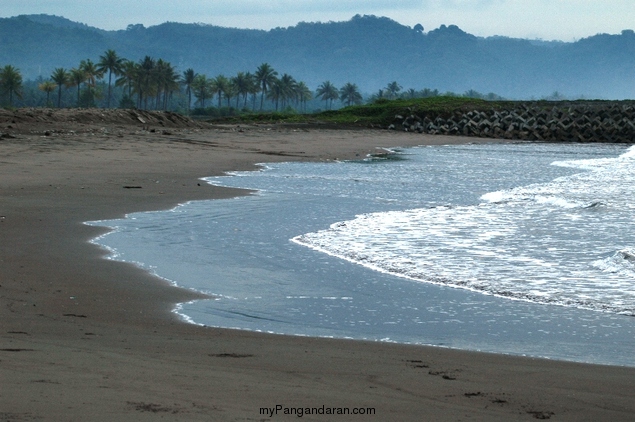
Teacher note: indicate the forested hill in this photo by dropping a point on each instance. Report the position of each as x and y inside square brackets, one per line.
[367, 50]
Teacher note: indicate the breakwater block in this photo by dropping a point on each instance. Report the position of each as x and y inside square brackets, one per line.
[560, 122]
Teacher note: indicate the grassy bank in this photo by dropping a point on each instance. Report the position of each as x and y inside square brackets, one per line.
[379, 113]
[383, 112]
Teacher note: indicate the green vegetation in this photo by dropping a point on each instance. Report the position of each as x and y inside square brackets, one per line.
[112, 64]
[11, 82]
[349, 94]
[60, 77]
[370, 51]
[380, 112]
[318, 66]
[328, 93]
[47, 87]
[383, 111]
[155, 84]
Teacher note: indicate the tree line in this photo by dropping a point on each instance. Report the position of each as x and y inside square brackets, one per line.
[149, 83]
[153, 84]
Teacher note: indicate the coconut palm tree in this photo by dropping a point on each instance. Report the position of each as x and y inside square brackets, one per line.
[349, 94]
[128, 76]
[220, 86]
[266, 76]
[48, 87]
[304, 94]
[11, 82]
[276, 92]
[187, 79]
[91, 73]
[427, 92]
[160, 76]
[282, 90]
[112, 64]
[378, 95]
[230, 92]
[473, 94]
[165, 80]
[143, 80]
[328, 92]
[242, 84]
[393, 89]
[76, 77]
[60, 77]
[170, 83]
[202, 89]
[289, 89]
[254, 89]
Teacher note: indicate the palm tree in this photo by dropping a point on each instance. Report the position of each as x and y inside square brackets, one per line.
[349, 94]
[230, 92]
[328, 93]
[242, 84]
[473, 94]
[170, 81]
[76, 77]
[112, 64]
[282, 90]
[289, 88]
[254, 89]
[202, 89]
[187, 79]
[393, 89]
[164, 81]
[11, 82]
[143, 80]
[266, 76]
[220, 86]
[160, 76]
[304, 94]
[60, 77]
[91, 73]
[427, 92]
[128, 76]
[276, 92]
[48, 87]
[378, 95]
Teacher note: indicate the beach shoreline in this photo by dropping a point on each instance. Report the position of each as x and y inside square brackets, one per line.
[86, 338]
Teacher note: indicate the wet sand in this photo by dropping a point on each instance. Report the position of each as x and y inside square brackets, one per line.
[85, 338]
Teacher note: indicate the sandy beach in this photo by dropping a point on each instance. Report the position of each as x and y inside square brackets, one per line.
[88, 339]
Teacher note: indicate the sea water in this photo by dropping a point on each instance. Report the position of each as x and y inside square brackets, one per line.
[525, 249]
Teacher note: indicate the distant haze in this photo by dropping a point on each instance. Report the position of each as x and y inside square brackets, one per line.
[369, 51]
[565, 20]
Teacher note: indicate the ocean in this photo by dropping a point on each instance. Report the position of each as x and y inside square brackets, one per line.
[524, 249]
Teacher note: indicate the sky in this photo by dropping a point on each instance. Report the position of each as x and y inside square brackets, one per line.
[564, 20]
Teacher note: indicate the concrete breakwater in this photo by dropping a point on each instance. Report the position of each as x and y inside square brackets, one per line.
[562, 122]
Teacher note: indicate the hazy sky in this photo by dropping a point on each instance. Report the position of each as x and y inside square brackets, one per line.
[565, 20]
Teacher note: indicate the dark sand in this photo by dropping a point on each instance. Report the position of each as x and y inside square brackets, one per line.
[87, 339]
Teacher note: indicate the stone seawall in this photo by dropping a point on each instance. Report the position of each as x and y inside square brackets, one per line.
[572, 122]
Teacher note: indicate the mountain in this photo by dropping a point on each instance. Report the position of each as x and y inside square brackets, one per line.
[367, 50]
[59, 22]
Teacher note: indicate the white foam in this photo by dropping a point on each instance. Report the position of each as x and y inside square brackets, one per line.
[560, 202]
[541, 242]
[621, 262]
[498, 196]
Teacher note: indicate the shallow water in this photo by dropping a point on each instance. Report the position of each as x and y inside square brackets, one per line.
[482, 247]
